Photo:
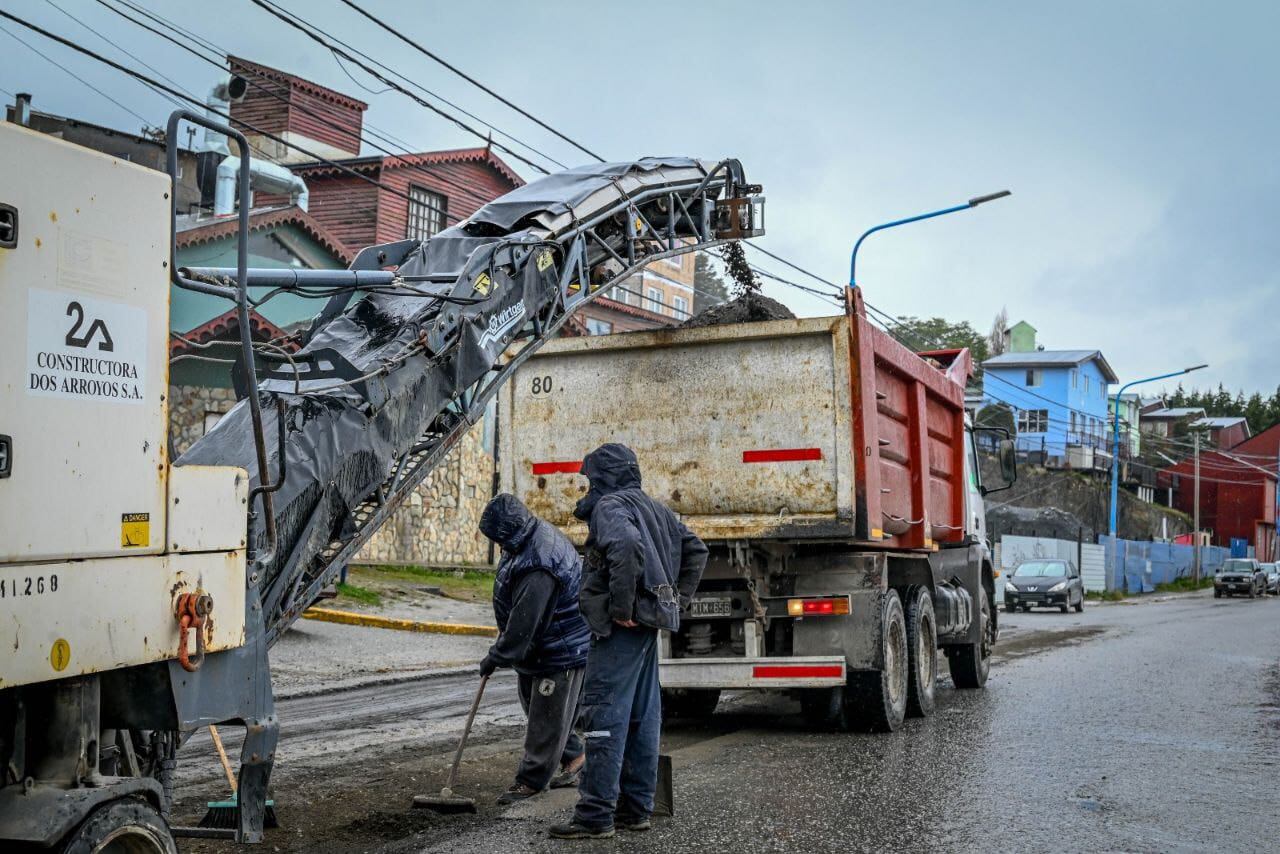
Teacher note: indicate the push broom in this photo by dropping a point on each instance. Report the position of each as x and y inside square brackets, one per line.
[447, 801]
[224, 814]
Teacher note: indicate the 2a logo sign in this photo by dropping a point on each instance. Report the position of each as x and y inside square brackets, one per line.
[97, 327]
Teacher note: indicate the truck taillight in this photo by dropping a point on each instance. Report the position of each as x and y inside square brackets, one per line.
[831, 607]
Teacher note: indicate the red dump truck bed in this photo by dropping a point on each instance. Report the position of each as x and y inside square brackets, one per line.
[818, 428]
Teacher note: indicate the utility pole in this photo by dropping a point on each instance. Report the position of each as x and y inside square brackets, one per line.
[1196, 513]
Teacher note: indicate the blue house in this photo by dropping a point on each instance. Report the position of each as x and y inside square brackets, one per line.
[1058, 398]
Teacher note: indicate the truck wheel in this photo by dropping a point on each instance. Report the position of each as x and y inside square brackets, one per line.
[126, 826]
[689, 702]
[877, 701]
[1009, 609]
[970, 663]
[922, 653]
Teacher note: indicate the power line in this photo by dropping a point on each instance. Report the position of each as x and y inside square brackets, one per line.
[220, 65]
[57, 64]
[415, 84]
[172, 100]
[140, 76]
[471, 79]
[292, 21]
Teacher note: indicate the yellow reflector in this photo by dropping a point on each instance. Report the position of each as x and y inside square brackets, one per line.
[795, 607]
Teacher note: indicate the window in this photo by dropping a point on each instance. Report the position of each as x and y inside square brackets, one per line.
[1075, 378]
[653, 300]
[426, 213]
[1033, 420]
[1075, 422]
[1034, 378]
[1086, 383]
[596, 326]
[681, 306]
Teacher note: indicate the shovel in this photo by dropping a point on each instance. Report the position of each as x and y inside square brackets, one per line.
[447, 801]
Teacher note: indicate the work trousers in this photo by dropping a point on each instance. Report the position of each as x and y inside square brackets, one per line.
[622, 723]
[551, 703]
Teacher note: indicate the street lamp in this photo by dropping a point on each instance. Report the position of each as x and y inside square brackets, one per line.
[1115, 449]
[972, 203]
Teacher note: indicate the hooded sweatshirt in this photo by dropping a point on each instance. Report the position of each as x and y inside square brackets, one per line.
[642, 563]
[535, 592]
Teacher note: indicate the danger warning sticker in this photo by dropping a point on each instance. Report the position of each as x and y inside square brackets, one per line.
[85, 348]
[135, 530]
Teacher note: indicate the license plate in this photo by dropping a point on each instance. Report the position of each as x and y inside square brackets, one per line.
[711, 606]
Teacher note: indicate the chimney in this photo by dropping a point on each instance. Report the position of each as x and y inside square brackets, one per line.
[22, 109]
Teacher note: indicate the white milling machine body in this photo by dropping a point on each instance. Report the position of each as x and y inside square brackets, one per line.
[139, 595]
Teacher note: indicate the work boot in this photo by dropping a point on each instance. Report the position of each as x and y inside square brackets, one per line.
[636, 824]
[518, 792]
[570, 774]
[573, 830]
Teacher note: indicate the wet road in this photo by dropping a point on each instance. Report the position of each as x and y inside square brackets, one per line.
[1148, 727]
[1158, 735]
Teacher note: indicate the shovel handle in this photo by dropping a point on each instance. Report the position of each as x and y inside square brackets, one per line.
[466, 731]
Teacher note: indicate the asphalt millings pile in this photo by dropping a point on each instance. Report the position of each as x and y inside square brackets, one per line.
[748, 304]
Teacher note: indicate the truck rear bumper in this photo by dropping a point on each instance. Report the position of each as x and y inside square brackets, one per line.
[808, 672]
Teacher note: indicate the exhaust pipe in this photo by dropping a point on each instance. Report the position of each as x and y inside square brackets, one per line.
[218, 104]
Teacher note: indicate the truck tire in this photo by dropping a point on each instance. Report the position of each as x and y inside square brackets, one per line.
[689, 702]
[125, 826]
[877, 701]
[970, 663]
[922, 653]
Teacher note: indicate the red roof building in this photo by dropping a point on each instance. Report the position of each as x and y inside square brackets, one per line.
[367, 199]
[420, 195]
[360, 201]
[1237, 492]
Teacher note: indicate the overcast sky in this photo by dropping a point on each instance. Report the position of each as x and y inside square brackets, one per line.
[1139, 139]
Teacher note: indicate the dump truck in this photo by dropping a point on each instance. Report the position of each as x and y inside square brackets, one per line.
[832, 472]
[140, 595]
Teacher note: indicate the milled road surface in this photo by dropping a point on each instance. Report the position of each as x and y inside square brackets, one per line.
[1147, 727]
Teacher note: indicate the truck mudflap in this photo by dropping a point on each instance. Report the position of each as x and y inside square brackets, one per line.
[824, 671]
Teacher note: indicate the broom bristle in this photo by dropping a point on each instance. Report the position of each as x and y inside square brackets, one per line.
[226, 814]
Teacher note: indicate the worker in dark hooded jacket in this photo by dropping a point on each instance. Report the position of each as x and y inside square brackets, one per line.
[642, 567]
[542, 635]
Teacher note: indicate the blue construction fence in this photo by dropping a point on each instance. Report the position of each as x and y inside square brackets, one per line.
[1139, 566]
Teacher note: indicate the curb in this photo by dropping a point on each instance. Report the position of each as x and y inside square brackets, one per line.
[351, 618]
[356, 683]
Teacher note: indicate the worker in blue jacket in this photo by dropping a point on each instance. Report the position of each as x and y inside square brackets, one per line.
[641, 569]
[543, 637]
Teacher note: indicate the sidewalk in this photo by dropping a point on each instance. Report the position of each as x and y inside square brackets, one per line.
[316, 657]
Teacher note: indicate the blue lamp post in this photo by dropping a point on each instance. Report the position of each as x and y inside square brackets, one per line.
[1115, 449]
[972, 203]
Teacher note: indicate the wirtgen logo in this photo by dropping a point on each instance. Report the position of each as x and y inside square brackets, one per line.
[502, 323]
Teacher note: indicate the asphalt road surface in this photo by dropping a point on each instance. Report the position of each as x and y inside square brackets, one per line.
[1147, 727]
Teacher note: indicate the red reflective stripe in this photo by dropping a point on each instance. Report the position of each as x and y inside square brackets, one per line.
[571, 467]
[797, 671]
[782, 455]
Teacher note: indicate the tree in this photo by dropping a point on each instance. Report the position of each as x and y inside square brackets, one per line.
[937, 333]
[999, 330]
[710, 289]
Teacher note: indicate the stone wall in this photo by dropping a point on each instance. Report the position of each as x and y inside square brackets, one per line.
[190, 407]
[436, 526]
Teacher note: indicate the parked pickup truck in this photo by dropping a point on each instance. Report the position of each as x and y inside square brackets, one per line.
[833, 474]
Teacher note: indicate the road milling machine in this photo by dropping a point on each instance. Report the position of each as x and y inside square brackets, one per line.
[140, 595]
